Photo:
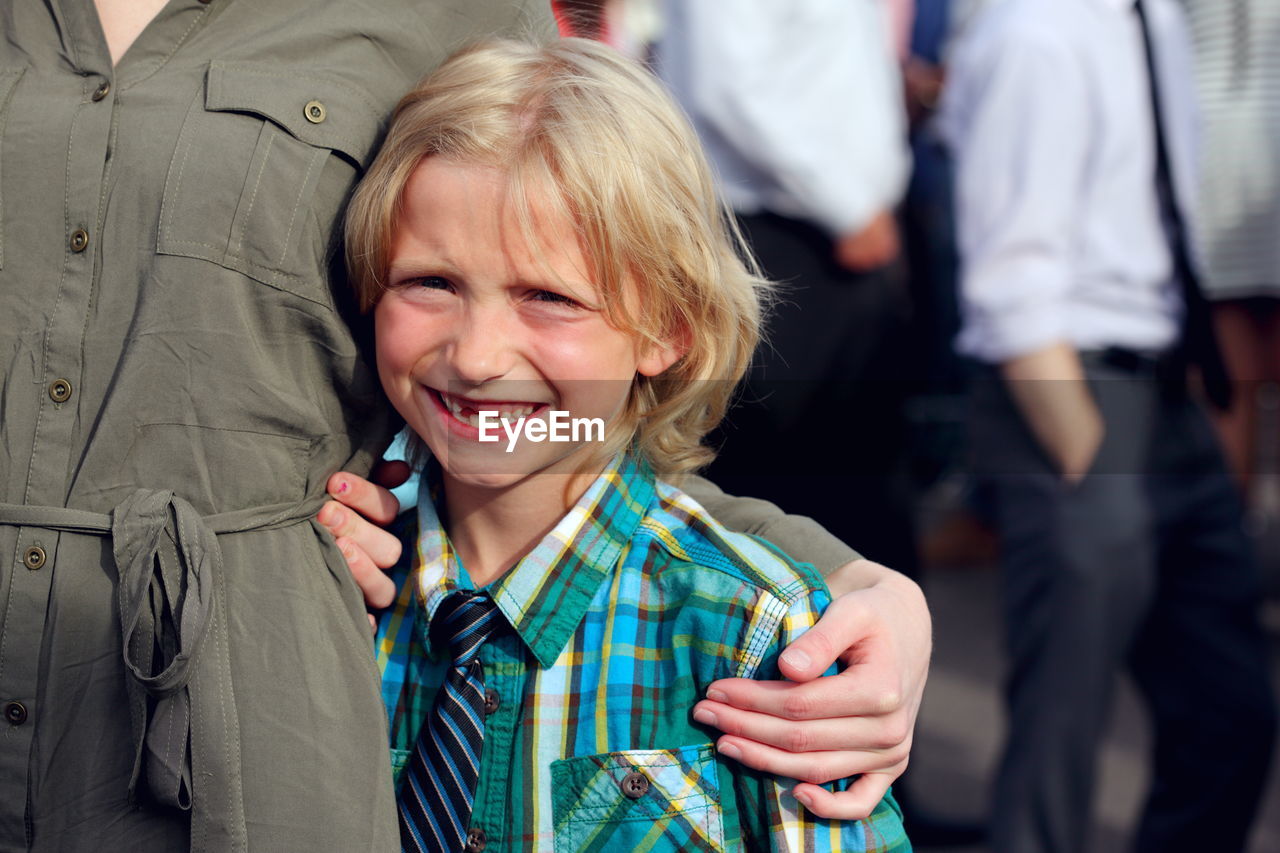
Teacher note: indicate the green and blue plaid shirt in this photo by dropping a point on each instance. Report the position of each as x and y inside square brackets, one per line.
[618, 620]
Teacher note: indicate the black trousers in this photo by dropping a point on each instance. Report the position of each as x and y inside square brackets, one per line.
[819, 428]
[1143, 564]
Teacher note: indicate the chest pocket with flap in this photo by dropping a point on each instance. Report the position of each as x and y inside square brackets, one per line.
[262, 166]
[654, 800]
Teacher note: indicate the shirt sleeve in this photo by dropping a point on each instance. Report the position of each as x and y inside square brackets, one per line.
[807, 93]
[797, 535]
[770, 817]
[1017, 115]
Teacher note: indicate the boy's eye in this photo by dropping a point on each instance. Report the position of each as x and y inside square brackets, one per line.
[431, 282]
[553, 298]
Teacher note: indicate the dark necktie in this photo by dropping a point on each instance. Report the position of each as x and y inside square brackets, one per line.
[1199, 345]
[439, 784]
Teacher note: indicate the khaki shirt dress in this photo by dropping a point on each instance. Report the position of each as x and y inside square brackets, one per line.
[185, 661]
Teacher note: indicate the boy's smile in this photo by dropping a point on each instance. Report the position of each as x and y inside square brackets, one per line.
[475, 319]
[466, 410]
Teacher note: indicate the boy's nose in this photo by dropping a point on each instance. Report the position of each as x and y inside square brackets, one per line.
[482, 350]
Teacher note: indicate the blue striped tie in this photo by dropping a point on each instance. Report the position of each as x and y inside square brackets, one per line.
[439, 784]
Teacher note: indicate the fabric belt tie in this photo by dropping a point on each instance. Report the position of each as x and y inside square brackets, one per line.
[172, 605]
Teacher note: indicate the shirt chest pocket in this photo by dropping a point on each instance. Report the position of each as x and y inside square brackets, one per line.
[263, 164]
[665, 799]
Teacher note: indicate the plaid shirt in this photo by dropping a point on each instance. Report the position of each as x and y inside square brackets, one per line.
[618, 620]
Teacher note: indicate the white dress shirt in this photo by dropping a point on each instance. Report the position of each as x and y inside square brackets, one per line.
[798, 104]
[1238, 74]
[1061, 235]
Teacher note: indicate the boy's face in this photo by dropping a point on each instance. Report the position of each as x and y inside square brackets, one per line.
[476, 319]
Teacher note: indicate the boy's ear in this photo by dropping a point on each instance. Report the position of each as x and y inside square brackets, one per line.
[657, 357]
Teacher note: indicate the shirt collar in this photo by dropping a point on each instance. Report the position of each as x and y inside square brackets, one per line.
[546, 594]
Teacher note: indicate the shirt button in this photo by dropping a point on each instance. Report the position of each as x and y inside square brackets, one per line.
[79, 240]
[635, 784]
[15, 713]
[60, 390]
[314, 111]
[34, 558]
[101, 92]
[476, 840]
[491, 702]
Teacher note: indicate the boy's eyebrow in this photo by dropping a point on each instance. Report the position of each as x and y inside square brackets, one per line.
[421, 266]
[578, 289]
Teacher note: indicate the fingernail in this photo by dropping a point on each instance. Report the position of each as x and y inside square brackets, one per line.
[805, 799]
[728, 750]
[702, 715]
[717, 695]
[796, 658]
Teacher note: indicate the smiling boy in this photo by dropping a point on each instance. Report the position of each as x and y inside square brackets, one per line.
[476, 320]
[540, 235]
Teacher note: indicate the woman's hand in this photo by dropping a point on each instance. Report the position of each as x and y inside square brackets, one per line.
[858, 722]
[357, 517]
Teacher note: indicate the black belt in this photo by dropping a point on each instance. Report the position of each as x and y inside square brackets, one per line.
[1137, 362]
[1168, 368]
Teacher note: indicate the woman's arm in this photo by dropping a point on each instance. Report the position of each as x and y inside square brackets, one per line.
[812, 728]
[859, 721]
[770, 819]
[798, 536]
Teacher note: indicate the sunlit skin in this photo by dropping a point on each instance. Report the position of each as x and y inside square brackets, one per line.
[476, 318]
[123, 21]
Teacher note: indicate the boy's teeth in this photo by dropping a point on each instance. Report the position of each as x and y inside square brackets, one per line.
[507, 413]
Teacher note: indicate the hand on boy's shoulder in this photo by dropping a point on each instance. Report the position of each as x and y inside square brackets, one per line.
[859, 721]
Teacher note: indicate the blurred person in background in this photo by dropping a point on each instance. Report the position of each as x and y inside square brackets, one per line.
[1122, 544]
[1238, 80]
[929, 250]
[928, 230]
[800, 108]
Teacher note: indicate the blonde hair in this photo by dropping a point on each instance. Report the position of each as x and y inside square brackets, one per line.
[625, 167]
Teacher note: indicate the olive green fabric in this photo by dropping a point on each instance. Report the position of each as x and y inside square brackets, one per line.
[176, 364]
[796, 535]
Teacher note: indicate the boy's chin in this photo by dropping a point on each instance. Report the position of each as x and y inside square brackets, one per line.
[486, 480]
[480, 467]
[488, 470]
